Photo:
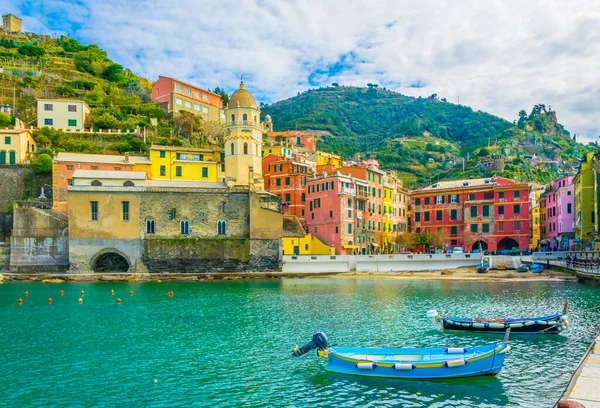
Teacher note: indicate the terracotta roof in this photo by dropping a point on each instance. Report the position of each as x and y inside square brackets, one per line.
[100, 158]
[181, 149]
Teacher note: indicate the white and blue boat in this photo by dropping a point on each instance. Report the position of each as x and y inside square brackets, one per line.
[409, 363]
[536, 268]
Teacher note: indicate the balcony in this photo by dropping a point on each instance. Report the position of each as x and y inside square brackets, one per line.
[243, 123]
[362, 194]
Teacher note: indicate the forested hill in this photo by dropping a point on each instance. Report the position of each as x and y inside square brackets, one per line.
[425, 139]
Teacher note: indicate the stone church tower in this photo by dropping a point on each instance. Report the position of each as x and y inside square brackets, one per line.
[243, 141]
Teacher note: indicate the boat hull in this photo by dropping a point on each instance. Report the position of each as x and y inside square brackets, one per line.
[433, 364]
[546, 324]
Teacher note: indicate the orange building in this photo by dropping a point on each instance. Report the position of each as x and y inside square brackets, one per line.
[287, 179]
[293, 138]
[65, 164]
[174, 96]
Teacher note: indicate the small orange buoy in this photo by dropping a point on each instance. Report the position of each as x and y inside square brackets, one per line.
[20, 301]
[112, 291]
[131, 293]
[49, 300]
[82, 292]
[80, 300]
[119, 300]
[26, 293]
[62, 292]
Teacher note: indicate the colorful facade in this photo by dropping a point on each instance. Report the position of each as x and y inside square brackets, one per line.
[585, 186]
[295, 241]
[68, 114]
[17, 146]
[491, 214]
[186, 163]
[175, 96]
[287, 179]
[560, 213]
[294, 138]
[66, 164]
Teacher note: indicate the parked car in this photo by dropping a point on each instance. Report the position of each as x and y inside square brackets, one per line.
[457, 250]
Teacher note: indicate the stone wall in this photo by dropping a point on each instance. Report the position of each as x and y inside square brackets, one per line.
[203, 210]
[6, 221]
[17, 182]
[13, 186]
[4, 256]
[83, 253]
[39, 242]
[211, 255]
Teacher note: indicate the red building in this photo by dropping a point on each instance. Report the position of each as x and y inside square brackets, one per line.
[287, 179]
[490, 213]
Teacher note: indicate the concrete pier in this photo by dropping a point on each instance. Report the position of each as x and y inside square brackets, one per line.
[585, 384]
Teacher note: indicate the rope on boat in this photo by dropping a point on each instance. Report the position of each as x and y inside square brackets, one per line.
[584, 310]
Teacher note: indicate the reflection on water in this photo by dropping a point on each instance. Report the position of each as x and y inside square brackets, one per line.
[228, 343]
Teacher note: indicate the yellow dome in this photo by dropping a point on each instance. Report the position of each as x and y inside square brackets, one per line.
[242, 99]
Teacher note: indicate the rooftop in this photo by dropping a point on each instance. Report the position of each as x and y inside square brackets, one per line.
[100, 158]
[190, 85]
[468, 183]
[110, 174]
[181, 149]
[184, 184]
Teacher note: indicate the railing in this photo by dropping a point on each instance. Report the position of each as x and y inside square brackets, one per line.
[243, 123]
[579, 261]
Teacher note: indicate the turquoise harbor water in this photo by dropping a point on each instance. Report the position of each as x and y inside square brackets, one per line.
[228, 343]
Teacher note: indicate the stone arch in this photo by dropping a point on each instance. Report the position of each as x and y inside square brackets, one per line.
[484, 245]
[110, 260]
[507, 243]
[96, 183]
[128, 183]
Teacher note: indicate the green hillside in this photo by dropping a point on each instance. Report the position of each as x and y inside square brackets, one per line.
[426, 139]
[34, 66]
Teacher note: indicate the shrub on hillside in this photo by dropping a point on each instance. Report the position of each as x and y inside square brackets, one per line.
[42, 164]
[31, 51]
[5, 119]
[90, 59]
[106, 121]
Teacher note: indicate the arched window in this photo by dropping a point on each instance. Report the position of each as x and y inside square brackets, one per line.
[222, 227]
[254, 118]
[96, 183]
[12, 158]
[2, 157]
[232, 149]
[184, 227]
[245, 148]
[245, 117]
[150, 226]
[232, 117]
[128, 184]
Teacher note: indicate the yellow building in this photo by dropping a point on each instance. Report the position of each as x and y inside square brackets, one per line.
[324, 159]
[535, 236]
[185, 163]
[295, 241]
[585, 202]
[243, 141]
[281, 151]
[16, 146]
[388, 220]
[62, 113]
[11, 23]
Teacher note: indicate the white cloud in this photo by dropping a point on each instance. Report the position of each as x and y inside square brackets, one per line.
[500, 57]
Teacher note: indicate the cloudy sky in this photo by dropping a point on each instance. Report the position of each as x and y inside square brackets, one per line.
[497, 56]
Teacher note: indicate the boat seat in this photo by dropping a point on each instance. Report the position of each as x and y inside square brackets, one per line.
[387, 357]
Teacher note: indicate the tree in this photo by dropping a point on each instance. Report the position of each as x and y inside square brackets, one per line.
[186, 124]
[483, 152]
[42, 164]
[406, 241]
[114, 73]
[522, 119]
[335, 84]
[5, 119]
[31, 51]
[436, 240]
[105, 121]
[223, 95]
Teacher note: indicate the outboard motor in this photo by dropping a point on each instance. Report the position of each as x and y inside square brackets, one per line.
[319, 340]
[433, 316]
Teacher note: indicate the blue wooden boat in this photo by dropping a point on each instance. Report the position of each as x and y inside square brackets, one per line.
[552, 324]
[536, 268]
[407, 363]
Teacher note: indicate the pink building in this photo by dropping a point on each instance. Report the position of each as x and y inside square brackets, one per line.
[332, 203]
[560, 213]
